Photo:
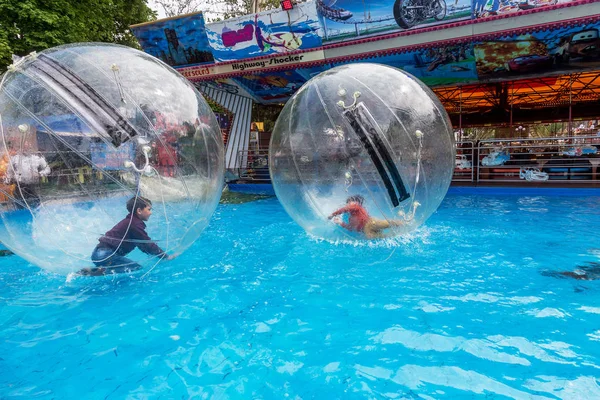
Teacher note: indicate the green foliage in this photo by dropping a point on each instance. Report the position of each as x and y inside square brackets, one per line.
[5, 51]
[480, 133]
[215, 10]
[267, 114]
[236, 8]
[529, 130]
[215, 107]
[34, 25]
[549, 129]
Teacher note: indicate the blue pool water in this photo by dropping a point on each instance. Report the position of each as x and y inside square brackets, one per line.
[257, 310]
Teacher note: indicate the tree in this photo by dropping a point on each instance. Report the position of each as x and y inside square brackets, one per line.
[34, 25]
[477, 133]
[173, 8]
[5, 51]
[216, 10]
[267, 114]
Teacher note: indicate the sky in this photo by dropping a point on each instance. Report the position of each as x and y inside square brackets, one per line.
[155, 7]
[161, 13]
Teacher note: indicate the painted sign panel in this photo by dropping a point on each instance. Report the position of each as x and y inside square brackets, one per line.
[436, 66]
[223, 85]
[269, 32]
[176, 41]
[311, 72]
[555, 51]
[199, 72]
[548, 51]
[349, 19]
[275, 87]
[488, 8]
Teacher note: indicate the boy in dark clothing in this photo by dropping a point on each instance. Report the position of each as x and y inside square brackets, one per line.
[122, 239]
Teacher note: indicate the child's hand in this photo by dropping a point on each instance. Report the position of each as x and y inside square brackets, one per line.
[172, 256]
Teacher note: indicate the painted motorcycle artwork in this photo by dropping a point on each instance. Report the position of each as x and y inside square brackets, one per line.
[409, 13]
[348, 19]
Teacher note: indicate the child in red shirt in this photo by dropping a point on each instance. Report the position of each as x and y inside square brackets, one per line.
[360, 221]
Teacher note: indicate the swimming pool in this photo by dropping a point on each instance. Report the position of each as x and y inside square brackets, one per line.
[256, 309]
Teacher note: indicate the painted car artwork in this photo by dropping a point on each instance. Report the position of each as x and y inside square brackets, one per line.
[176, 41]
[529, 63]
[583, 44]
[268, 32]
[561, 49]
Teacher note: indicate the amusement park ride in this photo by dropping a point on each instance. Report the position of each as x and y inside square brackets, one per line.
[492, 63]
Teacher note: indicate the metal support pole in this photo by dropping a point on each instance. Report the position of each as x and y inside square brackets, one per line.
[460, 132]
[569, 128]
[512, 94]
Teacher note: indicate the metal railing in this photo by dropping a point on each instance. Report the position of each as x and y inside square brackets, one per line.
[565, 160]
[464, 171]
[558, 160]
[253, 165]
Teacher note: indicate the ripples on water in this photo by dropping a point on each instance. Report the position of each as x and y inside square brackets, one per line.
[257, 309]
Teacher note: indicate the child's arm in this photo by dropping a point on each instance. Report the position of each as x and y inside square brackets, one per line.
[340, 222]
[339, 211]
[146, 244]
[344, 225]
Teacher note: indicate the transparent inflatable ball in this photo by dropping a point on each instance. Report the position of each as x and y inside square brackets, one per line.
[360, 152]
[85, 129]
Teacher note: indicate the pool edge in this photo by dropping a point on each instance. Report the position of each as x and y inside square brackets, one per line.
[266, 189]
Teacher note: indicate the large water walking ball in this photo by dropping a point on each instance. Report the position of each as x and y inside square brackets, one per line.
[363, 130]
[84, 128]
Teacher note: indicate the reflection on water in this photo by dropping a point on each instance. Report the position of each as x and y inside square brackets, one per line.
[588, 272]
[468, 306]
[237, 198]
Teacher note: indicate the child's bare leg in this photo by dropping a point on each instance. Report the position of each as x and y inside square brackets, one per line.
[379, 224]
[374, 228]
